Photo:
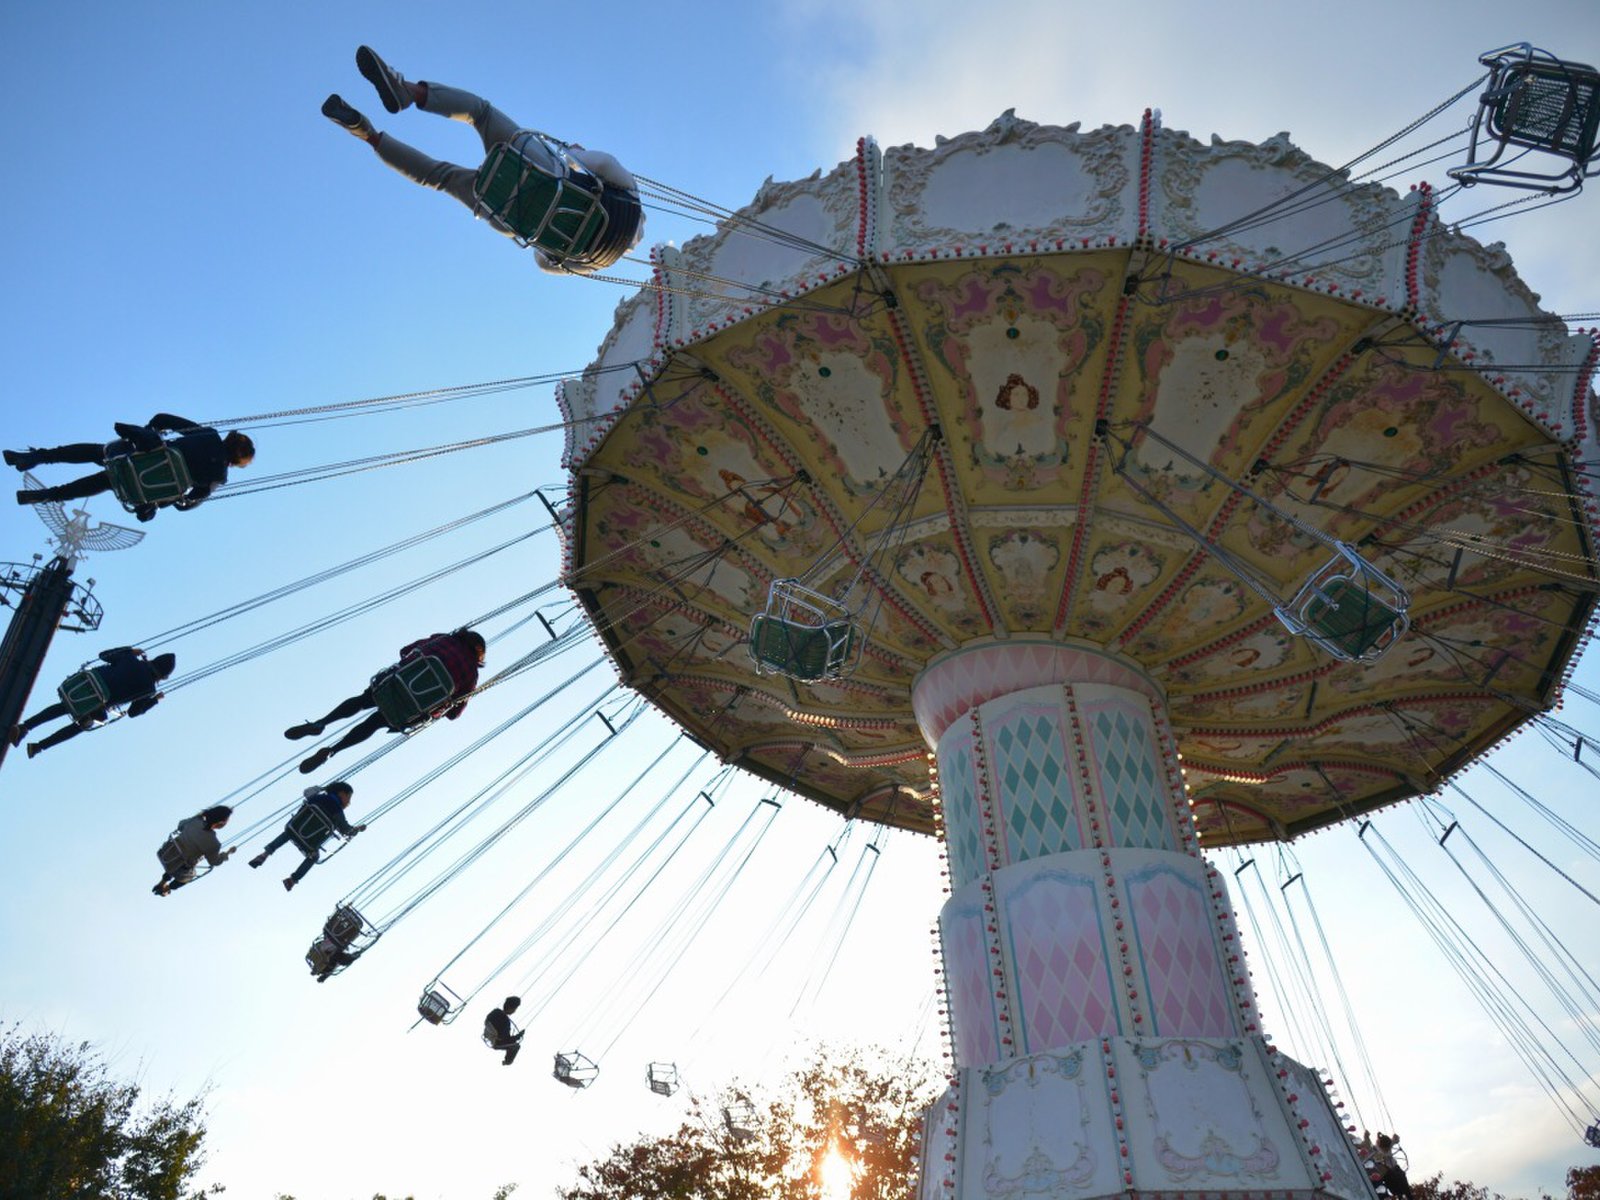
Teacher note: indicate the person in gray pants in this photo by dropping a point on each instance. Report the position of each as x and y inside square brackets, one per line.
[618, 191]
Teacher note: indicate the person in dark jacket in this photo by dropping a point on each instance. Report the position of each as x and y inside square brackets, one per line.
[205, 453]
[126, 677]
[308, 830]
[500, 1034]
[195, 839]
[460, 653]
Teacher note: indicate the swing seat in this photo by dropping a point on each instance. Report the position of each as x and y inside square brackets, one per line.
[1534, 102]
[803, 634]
[174, 860]
[86, 696]
[439, 1005]
[493, 1040]
[412, 691]
[345, 926]
[739, 1116]
[323, 957]
[1350, 608]
[308, 829]
[549, 204]
[662, 1078]
[157, 477]
[575, 1070]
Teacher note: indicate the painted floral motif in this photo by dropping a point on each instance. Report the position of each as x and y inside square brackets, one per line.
[1263, 650]
[814, 369]
[1117, 574]
[1016, 339]
[1025, 559]
[1219, 360]
[932, 573]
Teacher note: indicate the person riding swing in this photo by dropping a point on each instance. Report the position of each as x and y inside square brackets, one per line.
[124, 677]
[319, 817]
[433, 678]
[578, 209]
[145, 470]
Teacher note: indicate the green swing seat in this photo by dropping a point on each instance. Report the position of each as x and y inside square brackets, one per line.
[803, 634]
[85, 694]
[553, 207]
[411, 692]
[1350, 608]
[158, 477]
[308, 829]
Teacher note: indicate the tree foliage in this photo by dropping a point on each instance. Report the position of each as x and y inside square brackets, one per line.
[861, 1104]
[1583, 1183]
[68, 1129]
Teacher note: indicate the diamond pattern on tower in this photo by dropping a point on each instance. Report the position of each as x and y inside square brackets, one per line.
[972, 983]
[958, 788]
[1059, 955]
[1130, 778]
[1036, 801]
[1172, 929]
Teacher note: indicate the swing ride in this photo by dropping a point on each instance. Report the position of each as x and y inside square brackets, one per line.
[1237, 527]
[1082, 498]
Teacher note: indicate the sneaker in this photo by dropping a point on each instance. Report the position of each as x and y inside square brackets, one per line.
[34, 748]
[28, 496]
[341, 114]
[303, 730]
[288, 884]
[306, 767]
[258, 859]
[17, 734]
[162, 889]
[390, 85]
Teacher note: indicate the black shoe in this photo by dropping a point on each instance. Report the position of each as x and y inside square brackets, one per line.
[17, 734]
[288, 884]
[34, 748]
[341, 114]
[30, 496]
[22, 460]
[161, 889]
[259, 859]
[304, 730]
[306, 767]
[386, 81]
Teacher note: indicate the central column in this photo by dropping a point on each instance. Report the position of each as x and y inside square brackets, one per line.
[1102, 1022]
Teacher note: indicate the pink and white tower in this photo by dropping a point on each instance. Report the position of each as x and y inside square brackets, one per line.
[1104, 1030]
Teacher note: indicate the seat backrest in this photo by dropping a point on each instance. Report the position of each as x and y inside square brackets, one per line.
[174, 859]
[85, 694]
[309, 828]
[157, 477]
[409, 692]
[542, 203]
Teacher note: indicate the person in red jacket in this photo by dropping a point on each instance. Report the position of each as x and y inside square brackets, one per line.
[433, 678]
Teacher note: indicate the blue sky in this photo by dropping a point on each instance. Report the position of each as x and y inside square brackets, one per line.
[185, 232]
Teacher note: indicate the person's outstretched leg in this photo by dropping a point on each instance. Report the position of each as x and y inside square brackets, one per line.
[44, 716]
[345, 708]
[78, 489]
[305, 866]
[358, 734]
[276, 843]
[55, 739]
[77, 452]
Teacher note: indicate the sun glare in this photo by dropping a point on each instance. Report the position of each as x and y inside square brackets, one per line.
[836, 1173]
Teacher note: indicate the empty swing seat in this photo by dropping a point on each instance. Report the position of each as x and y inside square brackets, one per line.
[434, 1008]
[739, 1116]
[412, 691]
[157, 477]
[662, 1078]
[532, 189]
[85, 695]
[803, 634]
[1350, 608]
[574, 1069]
[1535, 102]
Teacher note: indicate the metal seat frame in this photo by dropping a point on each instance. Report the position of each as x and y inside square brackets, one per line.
[808, 614]
[439, 1005]
[1347, 568]
[128, 473]
[662, 1078]
[1534, 102]
[575, 1069]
